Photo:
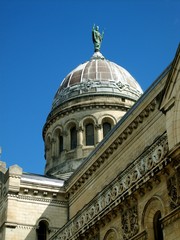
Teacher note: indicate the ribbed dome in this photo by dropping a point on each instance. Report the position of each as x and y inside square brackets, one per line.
[97, 77]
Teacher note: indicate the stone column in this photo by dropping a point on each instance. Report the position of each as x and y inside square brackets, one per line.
[98, 129]
[53, 147]
[80, 137]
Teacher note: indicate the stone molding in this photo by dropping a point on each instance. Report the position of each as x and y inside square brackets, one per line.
[140, 236]
[38, 199]
[132, 179]
[171, 217]
[26, 226]
[112, 148]
[97, 88]
[8, 225]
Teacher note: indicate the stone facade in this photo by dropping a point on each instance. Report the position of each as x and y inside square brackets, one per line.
[27, 199]
[127, 188]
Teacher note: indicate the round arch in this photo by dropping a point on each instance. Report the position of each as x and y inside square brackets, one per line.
[154, 205]
[88, 119]
[107, 123]
[70, 130]
[43, 227]
[48, 136]
[111, 234]
[44, 219]
[70, 123]
[57, 128]
[89, 124]
[107, 118]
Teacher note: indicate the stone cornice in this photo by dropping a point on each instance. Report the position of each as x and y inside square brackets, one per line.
[41, 188]
[124, 135]
[135, 178]
[40, 183]
[38, 199]
[35, 193]
[41, 193]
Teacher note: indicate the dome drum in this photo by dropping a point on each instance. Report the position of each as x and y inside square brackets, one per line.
[61, 127]
[116, 106]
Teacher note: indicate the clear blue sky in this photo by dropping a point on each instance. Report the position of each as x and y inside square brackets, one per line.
[41, 41]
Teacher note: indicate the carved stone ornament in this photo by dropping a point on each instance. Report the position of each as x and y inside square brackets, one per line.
[111, 235]
[130, 222]
[173, 185]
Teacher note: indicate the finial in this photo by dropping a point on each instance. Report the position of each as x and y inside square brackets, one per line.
[97, 38]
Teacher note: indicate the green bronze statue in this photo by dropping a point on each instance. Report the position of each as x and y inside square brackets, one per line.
[97, 38]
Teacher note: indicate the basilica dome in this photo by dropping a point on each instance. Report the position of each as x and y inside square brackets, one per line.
[98, 76]
[89, 102]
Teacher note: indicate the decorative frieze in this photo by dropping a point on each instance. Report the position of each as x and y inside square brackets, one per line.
[135, 178]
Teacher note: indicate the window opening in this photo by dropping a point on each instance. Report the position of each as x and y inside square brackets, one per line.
[73, 138]
[42, 231]
[158, 233]
[106, 128]
[60, 144]
[90, 134]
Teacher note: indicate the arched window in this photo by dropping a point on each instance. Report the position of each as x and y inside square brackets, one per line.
[60, 143]
[42, 230]
[158, 233]
[90, 134]
[73, 133]
[106, 128]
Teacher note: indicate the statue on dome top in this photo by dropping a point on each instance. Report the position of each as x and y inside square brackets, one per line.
[97, 38]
